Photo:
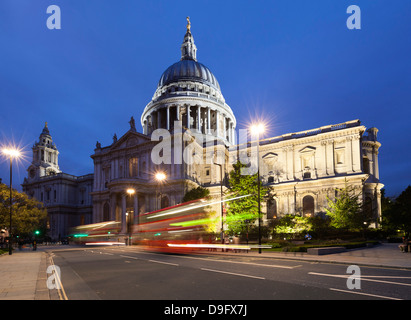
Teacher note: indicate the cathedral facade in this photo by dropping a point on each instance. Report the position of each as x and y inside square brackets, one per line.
[190, 136]
[66, 197]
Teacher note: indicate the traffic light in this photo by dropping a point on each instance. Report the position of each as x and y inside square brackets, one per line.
[37, 232]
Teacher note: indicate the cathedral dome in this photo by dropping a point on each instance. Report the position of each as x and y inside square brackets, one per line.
[188, 93]
[188, 70]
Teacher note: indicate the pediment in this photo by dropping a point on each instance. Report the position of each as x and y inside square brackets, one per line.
[129, 139]
[307, 149]
[270, 157]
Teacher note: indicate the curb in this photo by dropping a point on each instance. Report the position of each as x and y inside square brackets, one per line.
[313, 259]
[42, 292]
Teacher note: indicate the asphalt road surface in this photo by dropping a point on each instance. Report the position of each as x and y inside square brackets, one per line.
[129, 273]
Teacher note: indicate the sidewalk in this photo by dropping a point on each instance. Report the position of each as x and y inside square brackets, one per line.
[383, 255]
[23, 274]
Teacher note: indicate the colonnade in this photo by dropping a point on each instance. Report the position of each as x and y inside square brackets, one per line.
[205, 120]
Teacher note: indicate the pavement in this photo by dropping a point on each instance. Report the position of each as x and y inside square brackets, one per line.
[23, 274]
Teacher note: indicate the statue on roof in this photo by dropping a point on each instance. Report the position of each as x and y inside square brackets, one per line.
[188, 24]
[132, 123]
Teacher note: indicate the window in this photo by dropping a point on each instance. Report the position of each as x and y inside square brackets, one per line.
[133, 167]
[272, 209]
[307, 175]
[308, 206]
[270, 179]
[366, 165]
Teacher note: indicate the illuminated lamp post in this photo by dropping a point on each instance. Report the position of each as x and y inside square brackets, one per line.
[258, 129]
[160, 177]
[220, 163]
[11, 153]
[130, 192]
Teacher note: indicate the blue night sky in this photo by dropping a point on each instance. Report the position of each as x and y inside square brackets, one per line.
[293, 62]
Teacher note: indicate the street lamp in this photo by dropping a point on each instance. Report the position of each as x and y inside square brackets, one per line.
[160, 177]
[131, 191]
[11, 153]
[258, 129]
[221, 195]
[128, 217]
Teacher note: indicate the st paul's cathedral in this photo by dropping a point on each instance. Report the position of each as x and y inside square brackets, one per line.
[303, 168]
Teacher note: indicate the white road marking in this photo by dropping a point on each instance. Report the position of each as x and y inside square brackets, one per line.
[365, 294]
[248, 263]
[361, 278]
[128, 257]
[235, 274]
[156, 261]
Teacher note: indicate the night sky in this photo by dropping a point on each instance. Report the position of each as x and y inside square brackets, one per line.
[293, 62]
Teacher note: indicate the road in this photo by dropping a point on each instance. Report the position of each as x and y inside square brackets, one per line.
[129, 273]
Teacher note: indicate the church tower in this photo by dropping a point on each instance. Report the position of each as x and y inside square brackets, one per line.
[45, 157]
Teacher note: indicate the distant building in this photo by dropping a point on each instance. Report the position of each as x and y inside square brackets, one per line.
[66, 197]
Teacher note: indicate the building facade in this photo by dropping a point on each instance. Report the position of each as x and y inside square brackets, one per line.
[189, 133]
[66, 197]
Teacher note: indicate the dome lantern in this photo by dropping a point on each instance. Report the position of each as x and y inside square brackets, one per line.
[188, 48]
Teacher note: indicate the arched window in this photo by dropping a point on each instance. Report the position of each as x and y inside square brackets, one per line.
[106, 212]
[308, 206]
[272, 209]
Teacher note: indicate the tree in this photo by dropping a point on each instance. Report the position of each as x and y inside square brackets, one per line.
[196, 193]
[244, 209]
[346, 211]
[28, 214]
[291, 225]
[397, 214]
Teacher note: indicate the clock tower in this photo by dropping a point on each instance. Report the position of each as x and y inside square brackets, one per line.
[45, 157]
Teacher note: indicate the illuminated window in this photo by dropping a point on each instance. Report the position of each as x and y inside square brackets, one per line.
[272, 209]
[308, 206]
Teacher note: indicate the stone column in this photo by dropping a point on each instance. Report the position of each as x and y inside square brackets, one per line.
[208, 121]
[168, 118]
[178, 112]
[136, 213]
[224, 127]
[145, 126]
[188, 116]
[123, 213]
[198, 118]
[217, 124]
[230, 131]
